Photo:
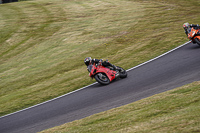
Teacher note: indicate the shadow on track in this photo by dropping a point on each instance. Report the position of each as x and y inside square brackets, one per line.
[194, 46]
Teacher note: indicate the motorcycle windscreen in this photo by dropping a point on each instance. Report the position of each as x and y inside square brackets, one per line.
[90, 68]
[189, 30]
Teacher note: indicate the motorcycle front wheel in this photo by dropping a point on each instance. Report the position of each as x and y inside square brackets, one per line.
[102, 78]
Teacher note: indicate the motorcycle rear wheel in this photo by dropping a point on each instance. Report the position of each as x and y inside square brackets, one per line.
[123, 74]
[102, 78]
[197, 41]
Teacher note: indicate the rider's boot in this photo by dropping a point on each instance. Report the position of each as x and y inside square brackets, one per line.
[116, 68]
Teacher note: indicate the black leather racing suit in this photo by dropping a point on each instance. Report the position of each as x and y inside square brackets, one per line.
[104, 63]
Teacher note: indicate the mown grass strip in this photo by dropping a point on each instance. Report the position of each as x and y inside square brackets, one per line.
[43, 57]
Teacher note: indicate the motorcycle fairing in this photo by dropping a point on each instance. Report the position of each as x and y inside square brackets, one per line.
[101, 69]
[192, 33]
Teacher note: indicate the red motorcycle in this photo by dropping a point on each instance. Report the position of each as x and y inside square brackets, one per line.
[104, 75]
[193, 35]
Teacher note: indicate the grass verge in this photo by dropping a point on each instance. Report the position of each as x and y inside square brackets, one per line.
[44, 42]
[172, 111]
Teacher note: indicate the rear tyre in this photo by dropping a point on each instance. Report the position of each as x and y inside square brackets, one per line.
[122, 73]
[102, 78]
[197, 41]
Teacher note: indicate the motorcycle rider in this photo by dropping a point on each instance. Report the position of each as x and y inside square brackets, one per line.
[88, 61]
[186, 26]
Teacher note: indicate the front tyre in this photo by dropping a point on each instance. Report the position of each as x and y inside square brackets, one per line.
[102, 78]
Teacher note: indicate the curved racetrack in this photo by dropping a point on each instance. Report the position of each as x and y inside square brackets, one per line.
[175, 69]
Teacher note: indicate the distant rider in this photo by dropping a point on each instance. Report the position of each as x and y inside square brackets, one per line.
[186, 26]
[89, 61]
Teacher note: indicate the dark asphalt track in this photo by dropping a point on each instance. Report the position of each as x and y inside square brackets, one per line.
[175, 69]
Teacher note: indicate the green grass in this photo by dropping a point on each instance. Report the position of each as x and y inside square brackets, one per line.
[43, 42]
[175, 111]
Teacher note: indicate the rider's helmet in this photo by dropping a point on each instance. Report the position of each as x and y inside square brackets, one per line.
[87, 60]
[186, 25]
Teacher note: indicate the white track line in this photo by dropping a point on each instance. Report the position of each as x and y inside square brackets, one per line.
[95, 82]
